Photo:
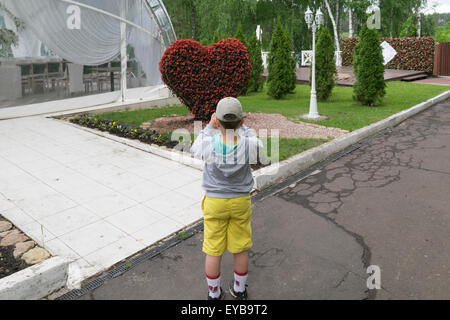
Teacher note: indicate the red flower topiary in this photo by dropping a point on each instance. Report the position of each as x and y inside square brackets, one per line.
[201, 76]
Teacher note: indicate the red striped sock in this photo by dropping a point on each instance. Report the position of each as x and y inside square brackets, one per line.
[213, 286]
[240, 279]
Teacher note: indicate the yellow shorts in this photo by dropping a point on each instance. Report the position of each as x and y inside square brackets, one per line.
[227, 225]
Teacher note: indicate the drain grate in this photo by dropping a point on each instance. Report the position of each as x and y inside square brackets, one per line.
[128, 265]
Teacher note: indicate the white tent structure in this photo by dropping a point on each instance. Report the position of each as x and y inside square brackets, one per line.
[94, 32]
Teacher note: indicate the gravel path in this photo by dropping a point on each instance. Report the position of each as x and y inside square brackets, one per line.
[256, 121]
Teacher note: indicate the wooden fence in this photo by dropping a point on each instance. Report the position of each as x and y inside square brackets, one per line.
[442, 59]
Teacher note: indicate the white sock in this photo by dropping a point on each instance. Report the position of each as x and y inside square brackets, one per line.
[239, 281]
[213, 286]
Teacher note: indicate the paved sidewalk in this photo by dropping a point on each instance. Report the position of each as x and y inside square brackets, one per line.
[384, 204]
[99, 201]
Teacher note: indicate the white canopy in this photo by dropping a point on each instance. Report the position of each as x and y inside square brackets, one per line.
[88, 32]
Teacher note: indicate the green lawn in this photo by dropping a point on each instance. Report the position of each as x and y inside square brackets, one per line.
[342, 111]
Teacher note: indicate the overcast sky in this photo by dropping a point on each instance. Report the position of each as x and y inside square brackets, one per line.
[442, 6]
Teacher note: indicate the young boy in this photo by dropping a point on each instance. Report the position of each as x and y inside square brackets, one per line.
[228, 181]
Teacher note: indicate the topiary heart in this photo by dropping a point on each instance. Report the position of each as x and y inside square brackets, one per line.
[201, 76]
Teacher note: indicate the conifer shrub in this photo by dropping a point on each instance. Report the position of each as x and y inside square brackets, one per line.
[370, 87]
[325, 64]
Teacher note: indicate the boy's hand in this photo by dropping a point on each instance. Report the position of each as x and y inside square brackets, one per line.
[214, 122]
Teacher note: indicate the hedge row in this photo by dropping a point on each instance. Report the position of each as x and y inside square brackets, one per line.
[412, 53]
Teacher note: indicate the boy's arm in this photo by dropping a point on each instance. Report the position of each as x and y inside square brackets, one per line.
[202, 145]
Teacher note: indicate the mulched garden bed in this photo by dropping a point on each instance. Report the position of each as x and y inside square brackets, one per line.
[9, 264]
[17, 251]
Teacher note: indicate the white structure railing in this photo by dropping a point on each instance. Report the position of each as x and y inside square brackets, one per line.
[265, 57]
[306, 58]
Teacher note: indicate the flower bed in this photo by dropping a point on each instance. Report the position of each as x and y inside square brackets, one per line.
[125, 130]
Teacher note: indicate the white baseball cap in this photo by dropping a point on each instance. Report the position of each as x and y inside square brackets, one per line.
[229, 110]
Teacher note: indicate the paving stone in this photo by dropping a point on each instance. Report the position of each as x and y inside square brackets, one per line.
[5, 226]
[35, 255]
[22, 247]
[12, 239]
[13, 231]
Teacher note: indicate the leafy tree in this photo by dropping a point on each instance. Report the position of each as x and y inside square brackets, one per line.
[443, 33]
[256, 81]
[280, 64]
[368, 67]
[409, 28]
[325, 64]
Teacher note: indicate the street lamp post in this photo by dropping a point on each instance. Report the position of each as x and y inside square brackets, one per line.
[313, 24]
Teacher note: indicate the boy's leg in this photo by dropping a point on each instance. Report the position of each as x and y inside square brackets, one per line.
[212, 265]
[240, 271]
[212, 270]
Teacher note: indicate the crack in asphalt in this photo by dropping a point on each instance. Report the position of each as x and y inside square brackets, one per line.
[374, 165]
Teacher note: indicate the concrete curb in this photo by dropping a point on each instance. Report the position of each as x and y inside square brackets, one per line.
[120, 106]
[268, 176]
[35, 282]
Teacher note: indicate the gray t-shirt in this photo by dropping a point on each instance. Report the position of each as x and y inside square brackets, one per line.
[227, 172]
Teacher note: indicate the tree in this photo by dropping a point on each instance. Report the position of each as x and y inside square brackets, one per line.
[370, 86]
[325, 64]
[409, 28]
[280, 64]
[256, 81]
[443, 33]
[336, 37]
[240, 35]
[292, 75]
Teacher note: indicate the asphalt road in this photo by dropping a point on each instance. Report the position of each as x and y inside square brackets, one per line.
[384, 204]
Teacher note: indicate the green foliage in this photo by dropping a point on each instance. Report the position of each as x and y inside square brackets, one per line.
[281, 64]
[443, 33]
[325, 64]
[292, 75]
[240, 35]
[278, 65]
[204, 42]
[216, 37]
[256, 81]
[368, 67]
[409, 27]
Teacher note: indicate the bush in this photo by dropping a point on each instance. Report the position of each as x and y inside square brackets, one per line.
[370, 86]
[292, 75]
[256, 82]
[325, 64]
[412, 53]
[200, 77]
[279, 80]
